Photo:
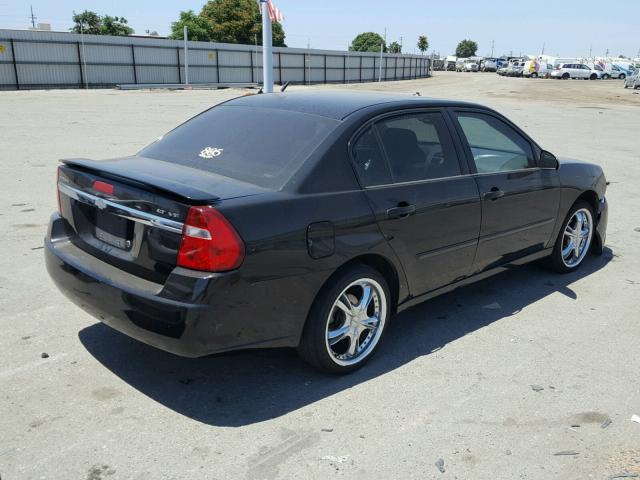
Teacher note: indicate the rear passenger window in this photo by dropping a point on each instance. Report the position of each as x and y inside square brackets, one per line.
[370, 164]
[418, 147]
[495, 146]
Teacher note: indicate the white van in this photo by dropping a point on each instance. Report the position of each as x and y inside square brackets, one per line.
[535, 69]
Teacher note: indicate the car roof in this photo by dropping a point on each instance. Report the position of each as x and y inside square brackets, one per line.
[338, 104]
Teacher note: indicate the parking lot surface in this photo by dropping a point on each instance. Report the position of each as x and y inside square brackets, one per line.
[527, 375]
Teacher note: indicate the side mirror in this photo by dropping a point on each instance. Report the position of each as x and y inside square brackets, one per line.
[548, 160]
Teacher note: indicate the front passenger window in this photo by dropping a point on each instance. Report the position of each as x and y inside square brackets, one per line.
[495, 146]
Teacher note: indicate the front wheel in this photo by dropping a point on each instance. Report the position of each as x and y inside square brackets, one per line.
[593, 76]
[574, 240]
[347, 321]
[534, 75]
[606, 76]
[622, 76]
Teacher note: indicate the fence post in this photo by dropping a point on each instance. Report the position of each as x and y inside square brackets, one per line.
[217, 53]
[344, 68]
[80, 65]
[325, 69]
[15, 65]
[360, 69]
[304, 68]
[133, 59]
[179, 70]
[252, 67]
[280, 68]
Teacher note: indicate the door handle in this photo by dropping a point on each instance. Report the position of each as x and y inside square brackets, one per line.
[494, 194]
[401, 211]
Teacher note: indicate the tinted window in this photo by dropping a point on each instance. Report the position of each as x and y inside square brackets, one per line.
[418, 147]
[495, 146]
[369, 161]
[256, 145]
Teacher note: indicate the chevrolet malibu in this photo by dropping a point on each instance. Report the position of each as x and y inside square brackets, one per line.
[309, 220]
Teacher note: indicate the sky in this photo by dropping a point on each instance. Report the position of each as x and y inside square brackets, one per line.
[564, 28]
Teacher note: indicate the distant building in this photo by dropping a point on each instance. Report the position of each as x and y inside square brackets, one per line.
[41, 27]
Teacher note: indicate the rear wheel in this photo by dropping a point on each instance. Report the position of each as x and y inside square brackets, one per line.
[534, 75]
[606, 76]
[622, 76]
[574, 239]
[347, 321]
[566, 76]
[593, 76]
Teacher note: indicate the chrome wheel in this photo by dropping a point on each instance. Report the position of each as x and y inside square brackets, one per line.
[577, 237]
[356, 322]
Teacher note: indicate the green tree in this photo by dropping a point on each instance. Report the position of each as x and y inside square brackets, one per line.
[423, 43]
[116, 26]
[199, 27]
[93, 24]
[90, 22]
[368, 42]
[238, 21]
[466, 48]
[395, 47]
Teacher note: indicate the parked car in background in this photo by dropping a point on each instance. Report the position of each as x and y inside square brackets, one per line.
[489, 65]
[471, 66]
[460, 64]
[566, 71]
[390, 200]
[633, 81]
[515, 70]
[502, 71]
[616, 72]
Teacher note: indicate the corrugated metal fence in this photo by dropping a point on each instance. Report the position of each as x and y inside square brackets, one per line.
[32, 59]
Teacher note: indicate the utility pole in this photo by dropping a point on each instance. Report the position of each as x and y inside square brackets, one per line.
[492, 46]
[380, 69]
[33, 18]
[590, 50]
[400, 43]
[544, 44]
[267, 48]
[186, 56]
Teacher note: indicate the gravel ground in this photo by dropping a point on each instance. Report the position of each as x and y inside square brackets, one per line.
[526, 375]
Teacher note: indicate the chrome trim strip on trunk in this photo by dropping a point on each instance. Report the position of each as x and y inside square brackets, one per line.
[120, 210]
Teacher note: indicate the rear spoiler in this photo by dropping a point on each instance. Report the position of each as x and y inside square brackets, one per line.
[163, 177]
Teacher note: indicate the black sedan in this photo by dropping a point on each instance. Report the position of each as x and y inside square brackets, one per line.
[308, 220]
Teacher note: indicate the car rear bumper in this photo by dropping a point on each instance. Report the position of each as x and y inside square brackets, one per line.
[192, 314]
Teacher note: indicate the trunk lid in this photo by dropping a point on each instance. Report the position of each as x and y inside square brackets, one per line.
[129, 212]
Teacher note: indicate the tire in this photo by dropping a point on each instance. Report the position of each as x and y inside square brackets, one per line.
[534, 75]
[570, 261]
[593, 76]
[566, 76]
[329, 316]
[622, 76]
[606, 76]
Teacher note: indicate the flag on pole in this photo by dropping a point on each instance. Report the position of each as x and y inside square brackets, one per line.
[274, 14]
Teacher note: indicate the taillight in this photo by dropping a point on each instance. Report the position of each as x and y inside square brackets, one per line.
[209, 242]
[103, 187]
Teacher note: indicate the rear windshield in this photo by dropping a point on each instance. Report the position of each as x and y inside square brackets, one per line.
[255, 145]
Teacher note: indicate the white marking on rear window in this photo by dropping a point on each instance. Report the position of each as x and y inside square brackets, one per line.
[211, 152]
